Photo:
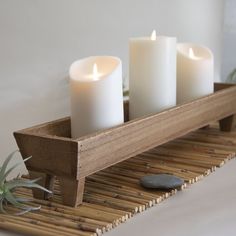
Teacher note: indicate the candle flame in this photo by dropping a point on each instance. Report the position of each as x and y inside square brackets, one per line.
[95, 71]
[192, 54]
[154, 35]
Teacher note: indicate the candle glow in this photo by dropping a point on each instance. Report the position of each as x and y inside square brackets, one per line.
[195, 72]
[95, 71]
[153, 35]
[192, 55]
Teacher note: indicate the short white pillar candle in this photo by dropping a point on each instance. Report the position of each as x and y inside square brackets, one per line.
[152, 82]
[195, 72]
[96, 94]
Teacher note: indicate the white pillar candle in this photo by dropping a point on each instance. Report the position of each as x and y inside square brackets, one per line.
[96, 94]
[152, 83]
[195, 72]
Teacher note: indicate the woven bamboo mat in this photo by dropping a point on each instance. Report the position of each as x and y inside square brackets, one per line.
[114, 195]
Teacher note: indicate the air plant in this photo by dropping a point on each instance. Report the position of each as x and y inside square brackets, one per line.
[7, 188]
[232, 77]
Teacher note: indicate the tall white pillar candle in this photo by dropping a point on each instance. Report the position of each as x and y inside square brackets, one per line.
[195, 72]
[96, 94]
[152, 83]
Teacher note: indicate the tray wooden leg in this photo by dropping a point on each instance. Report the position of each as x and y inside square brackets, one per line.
[72, 191]
[227, 124]
[46, 181]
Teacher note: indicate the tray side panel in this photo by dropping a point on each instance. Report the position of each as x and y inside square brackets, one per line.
[52, 156]
[120, 143]
[60, 128]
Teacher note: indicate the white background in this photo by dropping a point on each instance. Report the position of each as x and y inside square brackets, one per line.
[229, 42]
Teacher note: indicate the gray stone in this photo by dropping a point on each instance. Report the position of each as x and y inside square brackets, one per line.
[161, 181]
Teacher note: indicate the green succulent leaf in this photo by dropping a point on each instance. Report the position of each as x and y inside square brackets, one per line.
[1, 207]
[4, 167]
[12, 168]
[10, 198]
[8, 187]
[28, 209]
[18, 182]
[23, 183]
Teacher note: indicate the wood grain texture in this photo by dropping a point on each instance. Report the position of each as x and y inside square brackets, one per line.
[111, 146]
[56, 154]
[72, 191]
[50, 154]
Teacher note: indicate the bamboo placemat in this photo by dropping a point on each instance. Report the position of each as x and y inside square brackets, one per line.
[114, 195]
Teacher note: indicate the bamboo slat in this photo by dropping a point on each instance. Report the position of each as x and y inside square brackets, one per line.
[114, 195]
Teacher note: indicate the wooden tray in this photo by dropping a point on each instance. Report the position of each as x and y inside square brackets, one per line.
[55, 153]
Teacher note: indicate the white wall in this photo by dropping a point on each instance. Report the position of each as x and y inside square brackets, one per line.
[229, 42]
[40, 38]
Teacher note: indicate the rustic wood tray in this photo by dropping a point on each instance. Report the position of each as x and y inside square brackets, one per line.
[55, 153]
